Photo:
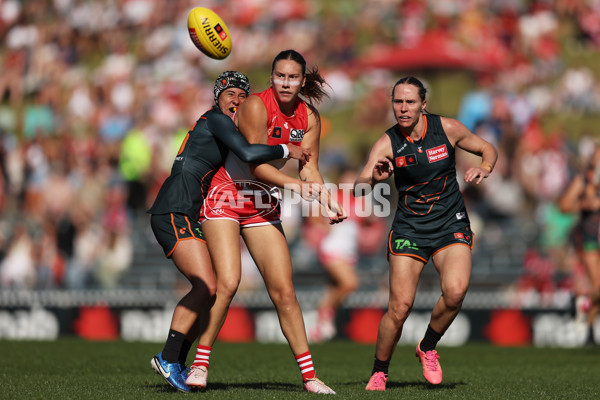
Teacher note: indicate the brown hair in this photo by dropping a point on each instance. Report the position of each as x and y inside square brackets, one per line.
[411, 80]
[313, 86]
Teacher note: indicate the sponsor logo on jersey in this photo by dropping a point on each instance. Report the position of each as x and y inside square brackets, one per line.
[437, 153]
[405, 161]
[401, 148]
[296, 135]
[461, 215]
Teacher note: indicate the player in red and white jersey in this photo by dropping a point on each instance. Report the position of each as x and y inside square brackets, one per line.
[277, 115]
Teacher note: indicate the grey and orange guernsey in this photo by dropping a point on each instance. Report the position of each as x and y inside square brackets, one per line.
[201, 154]
[431, 212]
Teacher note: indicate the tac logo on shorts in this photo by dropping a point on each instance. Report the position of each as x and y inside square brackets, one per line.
[437, 153]
[242, 200]
[405, 161]
[459, 235]
[296, 135]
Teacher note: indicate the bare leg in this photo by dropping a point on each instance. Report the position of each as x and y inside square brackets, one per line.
[454, 266]
[344, 282]
[269, 249]
[192, 259]
[223, 238]
[404, 277]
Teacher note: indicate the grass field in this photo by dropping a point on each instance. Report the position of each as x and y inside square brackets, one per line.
[77, 369]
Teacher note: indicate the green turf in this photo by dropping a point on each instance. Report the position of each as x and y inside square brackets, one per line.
[76, 369]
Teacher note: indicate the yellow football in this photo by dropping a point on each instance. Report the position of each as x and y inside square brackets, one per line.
[209, 33]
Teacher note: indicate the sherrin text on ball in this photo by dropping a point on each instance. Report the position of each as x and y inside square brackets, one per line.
[209, 33]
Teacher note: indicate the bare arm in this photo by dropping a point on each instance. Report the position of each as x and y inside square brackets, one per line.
[309, 171]
[252, 123]
[461, 137]
[378, 167]
[570, 200]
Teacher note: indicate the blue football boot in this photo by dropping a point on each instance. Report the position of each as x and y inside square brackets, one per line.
[174, 373]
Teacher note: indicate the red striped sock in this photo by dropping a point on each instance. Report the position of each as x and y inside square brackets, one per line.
[305, 363]
[202, 356]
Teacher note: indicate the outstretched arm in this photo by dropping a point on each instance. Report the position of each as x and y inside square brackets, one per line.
[225, 130]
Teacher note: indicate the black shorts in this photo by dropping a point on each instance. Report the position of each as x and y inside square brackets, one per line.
[170, 229]
[423, 248]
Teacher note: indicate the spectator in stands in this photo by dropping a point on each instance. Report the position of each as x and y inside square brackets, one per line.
[431, 220]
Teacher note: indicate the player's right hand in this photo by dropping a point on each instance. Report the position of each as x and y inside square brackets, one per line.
[382, 170]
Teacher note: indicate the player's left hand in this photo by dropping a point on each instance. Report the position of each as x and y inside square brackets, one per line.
[476, 174]
[299, 153]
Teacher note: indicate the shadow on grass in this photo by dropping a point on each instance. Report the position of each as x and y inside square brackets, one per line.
[416, 385]
[424, 385]
[218, 386]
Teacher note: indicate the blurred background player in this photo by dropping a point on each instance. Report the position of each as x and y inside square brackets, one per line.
[175, 211]
[275, 116]
[337, 249]
[431, 219]
[582, 196]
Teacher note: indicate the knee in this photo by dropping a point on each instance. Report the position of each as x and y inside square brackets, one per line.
[350, 286]
[453, 297]
[204, 286]
[398, 311]
[228, 286]
[284, 296]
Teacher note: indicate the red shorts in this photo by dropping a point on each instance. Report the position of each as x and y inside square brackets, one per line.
[248, 202]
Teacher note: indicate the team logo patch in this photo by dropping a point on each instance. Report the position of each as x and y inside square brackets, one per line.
[405, 161]
[437, 153]
[296, 135]
[276, 132]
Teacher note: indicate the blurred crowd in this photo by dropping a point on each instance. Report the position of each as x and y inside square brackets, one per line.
[95, 97]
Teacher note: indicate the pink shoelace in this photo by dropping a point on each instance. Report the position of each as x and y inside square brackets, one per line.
[431, 358]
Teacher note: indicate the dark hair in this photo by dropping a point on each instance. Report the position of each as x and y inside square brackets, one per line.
[411, 80]
[313, 86]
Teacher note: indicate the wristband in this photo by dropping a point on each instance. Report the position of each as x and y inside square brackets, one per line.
[286, 151]
[487, 166]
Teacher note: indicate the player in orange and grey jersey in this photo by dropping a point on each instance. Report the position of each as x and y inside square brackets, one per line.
[431, 220]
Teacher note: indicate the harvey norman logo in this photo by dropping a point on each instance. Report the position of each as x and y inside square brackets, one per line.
[437, 153]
